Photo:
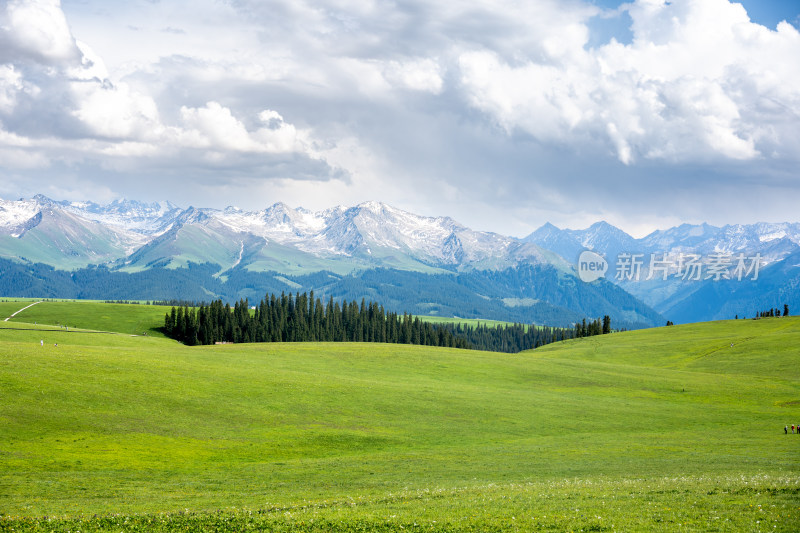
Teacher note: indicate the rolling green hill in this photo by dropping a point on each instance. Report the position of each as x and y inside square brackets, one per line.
[659, 429]
[120, 318]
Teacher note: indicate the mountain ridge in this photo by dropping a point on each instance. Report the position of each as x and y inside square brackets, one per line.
[408, 262]
[131, 236]
[367, 235]
[344, 230]
[775, 246]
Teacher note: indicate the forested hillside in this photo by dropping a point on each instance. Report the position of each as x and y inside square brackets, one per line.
[527, 294]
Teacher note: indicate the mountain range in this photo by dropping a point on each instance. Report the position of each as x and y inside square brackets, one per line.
[377, 251]
[774, 281]
[132, 236]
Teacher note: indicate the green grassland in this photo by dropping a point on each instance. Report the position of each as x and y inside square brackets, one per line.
[664, 429]
[133, 319]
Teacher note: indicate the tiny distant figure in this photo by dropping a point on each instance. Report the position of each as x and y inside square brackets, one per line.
[792, 428]
[41, 342]
[731, 345]
[786, 430]
[56, 345]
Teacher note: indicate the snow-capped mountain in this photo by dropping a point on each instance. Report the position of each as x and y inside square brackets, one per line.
[568, 243]
[367, 229]
[773, 241]
[17, 217]
[44, 231]
[130, 236]
[279, 237]
[129, 215]
[684, 237]
[135, 235]
[774, 246]
[408, 262]
[367, 235]
[563, 242]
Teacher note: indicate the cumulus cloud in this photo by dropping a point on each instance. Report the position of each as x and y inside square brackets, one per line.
[498, 102]
[56, 91]
[36, 31]
[675, 93]
[214, 127]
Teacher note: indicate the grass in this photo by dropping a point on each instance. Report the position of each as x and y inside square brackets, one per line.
[121, 318]
[662, 429]
[666, 504]
[765, 347]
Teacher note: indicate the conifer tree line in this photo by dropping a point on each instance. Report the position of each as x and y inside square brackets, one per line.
[303, 318]
[773, 312]
[510, 338]
[595, 327]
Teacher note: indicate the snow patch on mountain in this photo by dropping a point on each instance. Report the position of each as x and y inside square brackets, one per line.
[152, 218]
[773, 241]
[14, 215]
[374, 234]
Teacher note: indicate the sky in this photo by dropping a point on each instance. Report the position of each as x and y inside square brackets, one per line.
[501, 114]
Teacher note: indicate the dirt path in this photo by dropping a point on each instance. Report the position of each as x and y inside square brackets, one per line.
[21, 310]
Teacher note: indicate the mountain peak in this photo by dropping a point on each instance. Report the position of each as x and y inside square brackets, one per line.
[543, 232]
[373, 207]
[280, 206]
[389, 235]
[42, 199]
[605, 227]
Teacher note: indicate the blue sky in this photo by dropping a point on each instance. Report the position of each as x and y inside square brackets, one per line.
[766, 12]
[503, 115]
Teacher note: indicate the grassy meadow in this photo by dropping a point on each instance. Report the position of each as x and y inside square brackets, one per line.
[664, 429]
[133, 319]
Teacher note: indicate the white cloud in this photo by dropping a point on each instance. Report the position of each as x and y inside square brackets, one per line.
[543, 100]
[115, 112]
[10, 86]
[493, 101]
[214, 127]
[675, 93]
[36, 30]
[56, 99]
[418, 74]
